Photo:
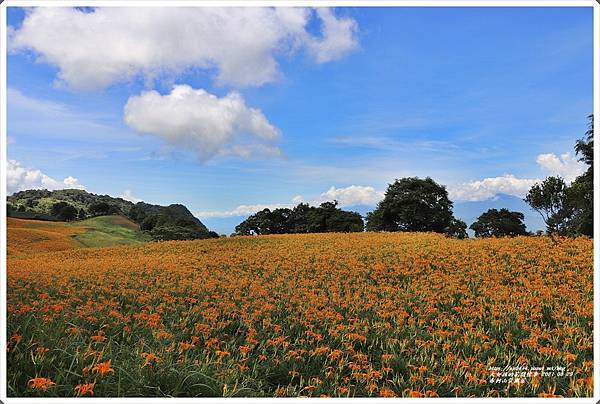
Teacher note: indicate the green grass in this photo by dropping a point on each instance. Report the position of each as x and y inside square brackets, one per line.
[109, 230]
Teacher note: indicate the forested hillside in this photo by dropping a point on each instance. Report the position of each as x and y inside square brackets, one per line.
[173, 222]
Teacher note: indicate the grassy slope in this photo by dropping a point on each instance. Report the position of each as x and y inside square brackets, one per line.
[109, 230]
[35, 236]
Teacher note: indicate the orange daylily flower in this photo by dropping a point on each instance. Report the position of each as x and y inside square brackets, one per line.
[41, 383]
[83, 389]
[103, 368]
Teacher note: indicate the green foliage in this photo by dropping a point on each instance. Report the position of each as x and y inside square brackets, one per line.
[103, 208]
[585, 147]
[67, 213]
[581, 194]
[415, 204]
[550, 199]
[582, 189]
[302, 219]
[173, 222]
[499, 223]
[375, 220]
[457, 229]
[64, 211]
[57, 207]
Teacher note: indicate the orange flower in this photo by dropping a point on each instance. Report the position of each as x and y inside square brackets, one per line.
[83, 389]
[184, 346]
[16, 338]
[149, 358]
[222, 354]
[386, 393]
[549, 395]
[335, 354]
[98, 337]
[41, 383]
[41, 350]
[414, 393]
[103, 368]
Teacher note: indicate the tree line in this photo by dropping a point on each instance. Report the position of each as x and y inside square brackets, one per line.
[301, 219]
[415, 204]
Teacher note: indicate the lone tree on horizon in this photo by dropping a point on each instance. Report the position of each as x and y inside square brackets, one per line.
[499, 223]
[415, 204]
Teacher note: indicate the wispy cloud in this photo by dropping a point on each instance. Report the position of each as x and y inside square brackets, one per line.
[387, 143]
[57, 119]
[242, 210]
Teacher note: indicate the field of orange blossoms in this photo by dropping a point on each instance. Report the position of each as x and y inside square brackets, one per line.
[371, 314]
[26, 236]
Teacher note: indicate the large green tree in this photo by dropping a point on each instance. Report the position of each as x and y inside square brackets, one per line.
[415, 204]
[499, 223]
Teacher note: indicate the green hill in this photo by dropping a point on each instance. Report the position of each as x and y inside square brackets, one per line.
[173, 222]
[105, 231]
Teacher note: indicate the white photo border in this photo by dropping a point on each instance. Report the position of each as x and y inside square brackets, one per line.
[286, 3]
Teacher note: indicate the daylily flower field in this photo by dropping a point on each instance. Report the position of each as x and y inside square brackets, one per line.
[363, 314]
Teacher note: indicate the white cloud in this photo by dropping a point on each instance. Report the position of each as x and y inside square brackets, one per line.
[107, 45]
[352, 195]
[129, 196]
[202, 122]
[242, 210]
[566, 166]
[19, 178]
[338, 37]
[489, 188]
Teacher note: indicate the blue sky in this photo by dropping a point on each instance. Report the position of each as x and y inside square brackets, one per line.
[483, 100]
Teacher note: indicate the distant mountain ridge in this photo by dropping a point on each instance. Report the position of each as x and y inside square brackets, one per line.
[173, 222]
